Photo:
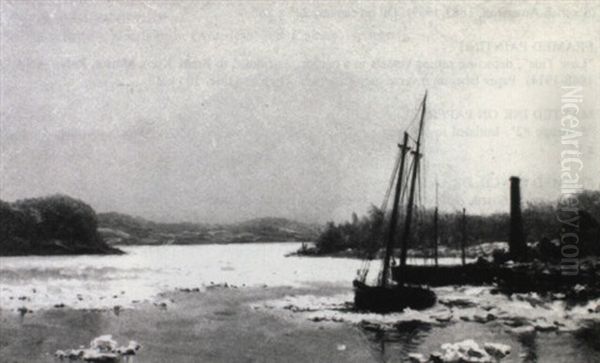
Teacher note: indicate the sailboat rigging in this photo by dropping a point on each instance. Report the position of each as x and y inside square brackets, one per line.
[387, 296]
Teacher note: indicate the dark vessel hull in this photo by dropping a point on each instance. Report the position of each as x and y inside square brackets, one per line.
[515, 279]
[393, 298]
[469, 274]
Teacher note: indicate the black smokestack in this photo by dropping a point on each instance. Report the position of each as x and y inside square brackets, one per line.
[516, 239]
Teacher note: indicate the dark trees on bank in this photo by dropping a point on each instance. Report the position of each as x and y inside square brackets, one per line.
[49, 225]
[540, 223]
[365, 234]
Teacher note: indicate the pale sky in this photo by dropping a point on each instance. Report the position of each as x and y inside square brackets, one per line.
[222, 111]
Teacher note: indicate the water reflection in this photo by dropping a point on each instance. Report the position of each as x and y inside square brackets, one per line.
[395, 344]
[589, 336]
[530, 348]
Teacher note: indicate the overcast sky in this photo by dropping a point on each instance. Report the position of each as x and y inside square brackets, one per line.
[217, 112]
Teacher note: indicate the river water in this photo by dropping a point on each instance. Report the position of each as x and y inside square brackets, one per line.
[144, 271]
[562, 332]
[91, 281]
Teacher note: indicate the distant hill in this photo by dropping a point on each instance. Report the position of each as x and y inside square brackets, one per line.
[51, 225]
[118, 228]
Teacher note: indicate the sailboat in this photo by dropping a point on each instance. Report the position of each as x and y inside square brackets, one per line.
[387, 295]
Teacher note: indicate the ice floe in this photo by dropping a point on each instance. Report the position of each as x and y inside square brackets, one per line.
[466, 351]
[519, 312]
[102, 349]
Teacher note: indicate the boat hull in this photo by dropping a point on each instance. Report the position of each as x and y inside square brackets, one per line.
[469, 274]
[393, 298]
[520, 278]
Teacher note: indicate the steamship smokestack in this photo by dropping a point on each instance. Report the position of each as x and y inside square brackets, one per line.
[516, 239]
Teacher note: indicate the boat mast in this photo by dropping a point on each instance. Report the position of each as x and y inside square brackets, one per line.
[411, 196]
[394, 218]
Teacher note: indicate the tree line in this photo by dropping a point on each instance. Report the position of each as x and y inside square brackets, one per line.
[49, 225]
[367, 234]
